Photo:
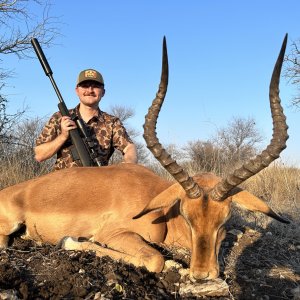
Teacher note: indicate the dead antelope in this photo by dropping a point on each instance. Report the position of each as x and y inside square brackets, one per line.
[125, 207]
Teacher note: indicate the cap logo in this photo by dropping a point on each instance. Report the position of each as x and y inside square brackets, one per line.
[90, 74]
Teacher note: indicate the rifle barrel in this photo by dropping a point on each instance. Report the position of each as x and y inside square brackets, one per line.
[77, 141]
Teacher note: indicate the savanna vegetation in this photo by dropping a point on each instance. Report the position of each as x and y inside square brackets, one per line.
[258, 261]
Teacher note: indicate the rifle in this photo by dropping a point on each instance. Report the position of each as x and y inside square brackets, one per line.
[84, 147]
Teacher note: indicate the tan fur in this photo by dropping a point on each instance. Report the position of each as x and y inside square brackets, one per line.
[99, 204]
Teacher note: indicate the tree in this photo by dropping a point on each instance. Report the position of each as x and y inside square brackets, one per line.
[5, 121]
[229, 148]
[125, 113]
[292, 70]
[238, 141]
[204, 156]
[17, 26]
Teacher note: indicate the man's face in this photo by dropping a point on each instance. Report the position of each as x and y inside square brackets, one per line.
[90, 92]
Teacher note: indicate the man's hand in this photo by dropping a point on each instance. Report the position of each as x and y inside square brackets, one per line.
[47, 150]
[130, 154]
[66, 125]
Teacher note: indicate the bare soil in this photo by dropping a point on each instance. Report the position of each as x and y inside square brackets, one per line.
[256, 265]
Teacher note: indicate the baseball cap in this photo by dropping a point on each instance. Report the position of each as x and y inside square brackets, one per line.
[90, 74]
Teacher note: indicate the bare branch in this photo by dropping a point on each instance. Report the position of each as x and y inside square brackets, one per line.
[18, 25]
[292, 70]
[122, 112]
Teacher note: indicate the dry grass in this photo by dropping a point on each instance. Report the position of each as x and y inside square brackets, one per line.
[279, 186]
[19, 167]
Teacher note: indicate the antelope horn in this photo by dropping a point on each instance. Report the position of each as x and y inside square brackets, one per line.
[277, 143]
[189, 185]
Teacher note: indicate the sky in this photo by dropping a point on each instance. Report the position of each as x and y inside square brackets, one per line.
[221, 56]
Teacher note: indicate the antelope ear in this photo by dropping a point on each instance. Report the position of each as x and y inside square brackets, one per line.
[251, 202]
[167, 198]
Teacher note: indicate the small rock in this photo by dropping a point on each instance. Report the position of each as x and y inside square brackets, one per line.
[215, 288]
[269, 233]
[184, 272]
[236, 232]
[169, 264]
[97, 296]
[172, 277]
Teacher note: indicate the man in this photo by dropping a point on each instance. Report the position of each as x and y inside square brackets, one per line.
[107, 131]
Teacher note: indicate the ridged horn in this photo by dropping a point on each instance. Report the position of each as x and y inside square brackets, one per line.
[273, 150]
[189, 185]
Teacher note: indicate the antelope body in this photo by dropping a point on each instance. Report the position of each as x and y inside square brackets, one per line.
[125, 207]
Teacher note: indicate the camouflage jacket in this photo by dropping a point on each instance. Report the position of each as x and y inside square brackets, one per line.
[107, 132]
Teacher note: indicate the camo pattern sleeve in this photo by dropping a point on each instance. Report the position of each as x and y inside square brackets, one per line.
[121, 138]
[50, 131]
[64, 157]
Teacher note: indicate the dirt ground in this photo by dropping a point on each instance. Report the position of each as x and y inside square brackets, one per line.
[255, 264]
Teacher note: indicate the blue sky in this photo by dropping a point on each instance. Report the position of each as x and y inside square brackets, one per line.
[221, 56]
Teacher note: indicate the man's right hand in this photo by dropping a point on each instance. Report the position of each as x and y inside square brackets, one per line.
[66, 125]
[48, 149]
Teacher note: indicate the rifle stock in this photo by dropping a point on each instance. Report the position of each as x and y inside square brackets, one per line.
[76, 139]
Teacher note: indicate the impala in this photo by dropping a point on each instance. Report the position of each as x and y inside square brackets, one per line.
[121, 210]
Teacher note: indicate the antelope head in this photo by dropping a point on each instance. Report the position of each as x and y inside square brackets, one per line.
[205, 200]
